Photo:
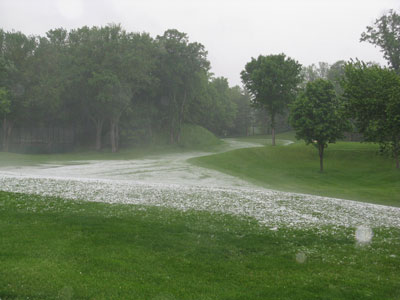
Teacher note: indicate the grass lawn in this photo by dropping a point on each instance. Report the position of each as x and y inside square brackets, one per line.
[61, 249]
[138, 152]
[352, 170]
[193, 138]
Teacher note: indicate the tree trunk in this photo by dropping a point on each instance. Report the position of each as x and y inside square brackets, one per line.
[273, 136]
[117, 134]
[4, 133]
[112, 137]
[396, 150]
[99, 130]
[321, 157]
[181, 117]
[171, 134]
[114, 132]
[273, 128]
[7, 130]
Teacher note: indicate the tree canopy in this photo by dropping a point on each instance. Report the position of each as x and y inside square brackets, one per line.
[316, 116]
[372, 96]
[385, 34]
[272, 81]
[111, 86]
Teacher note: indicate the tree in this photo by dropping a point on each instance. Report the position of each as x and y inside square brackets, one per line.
[5, 104]
[223, 109]
[111, 68]
[272, 82]
[16, 52]
[385, 34]
[372, 96]
[244, 114]
[46, 74]
[335, 75]
[183, 65]
[315, 115]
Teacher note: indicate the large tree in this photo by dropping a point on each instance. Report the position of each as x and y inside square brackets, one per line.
[111, 69]
[316, 116]
[272, 82]
[183, 65]
[16, 52]
[372, 96]
[385, 34]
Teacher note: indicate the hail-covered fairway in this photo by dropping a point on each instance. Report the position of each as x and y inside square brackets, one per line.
[161, 228]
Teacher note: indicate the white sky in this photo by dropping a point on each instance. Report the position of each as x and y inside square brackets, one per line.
[232, 31]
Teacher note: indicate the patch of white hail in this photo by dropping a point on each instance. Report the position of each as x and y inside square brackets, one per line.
[169, 181]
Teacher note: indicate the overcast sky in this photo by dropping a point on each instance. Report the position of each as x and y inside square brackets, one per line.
[232, 31]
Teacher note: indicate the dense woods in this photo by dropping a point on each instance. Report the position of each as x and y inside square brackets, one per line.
[112, 87]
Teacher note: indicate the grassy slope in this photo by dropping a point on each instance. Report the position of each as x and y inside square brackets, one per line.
[56, 249]
[352, 170]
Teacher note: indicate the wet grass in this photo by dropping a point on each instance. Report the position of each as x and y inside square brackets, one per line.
[61, 249]
[193, 138]
[138, 152]
[352, 170]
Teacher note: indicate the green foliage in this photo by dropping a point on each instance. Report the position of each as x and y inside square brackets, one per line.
[245, 113]
[182, 71]
[5, 103]
[372, 98]
[272, 82]
[334, 73]
[316, 116]
[106, 81]
[56, 248]
[194, 136]
[385, 34]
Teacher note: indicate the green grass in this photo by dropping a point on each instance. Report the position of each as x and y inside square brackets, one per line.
[60, 249]
[266, 139]
[193, 138]
[199, 138]
[16, 159]
[352, 170]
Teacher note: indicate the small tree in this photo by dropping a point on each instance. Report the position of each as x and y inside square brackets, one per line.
[272, 82]
[315, 116]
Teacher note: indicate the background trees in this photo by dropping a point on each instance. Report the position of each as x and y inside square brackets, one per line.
[272, 81]
[109, 86]
[316, 116]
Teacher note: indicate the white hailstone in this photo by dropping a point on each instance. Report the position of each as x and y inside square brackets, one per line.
[363, 234]
[301, 257]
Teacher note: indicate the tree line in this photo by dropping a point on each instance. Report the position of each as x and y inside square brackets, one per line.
[107, 82]
[325, 101]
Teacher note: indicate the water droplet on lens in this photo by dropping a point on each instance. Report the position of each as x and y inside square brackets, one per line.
[301, 257]
[363, 234]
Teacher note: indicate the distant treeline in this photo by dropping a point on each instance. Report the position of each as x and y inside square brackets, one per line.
[112, 87]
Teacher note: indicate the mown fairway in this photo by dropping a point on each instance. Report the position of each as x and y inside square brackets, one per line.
[61, 249]
[352, 170]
